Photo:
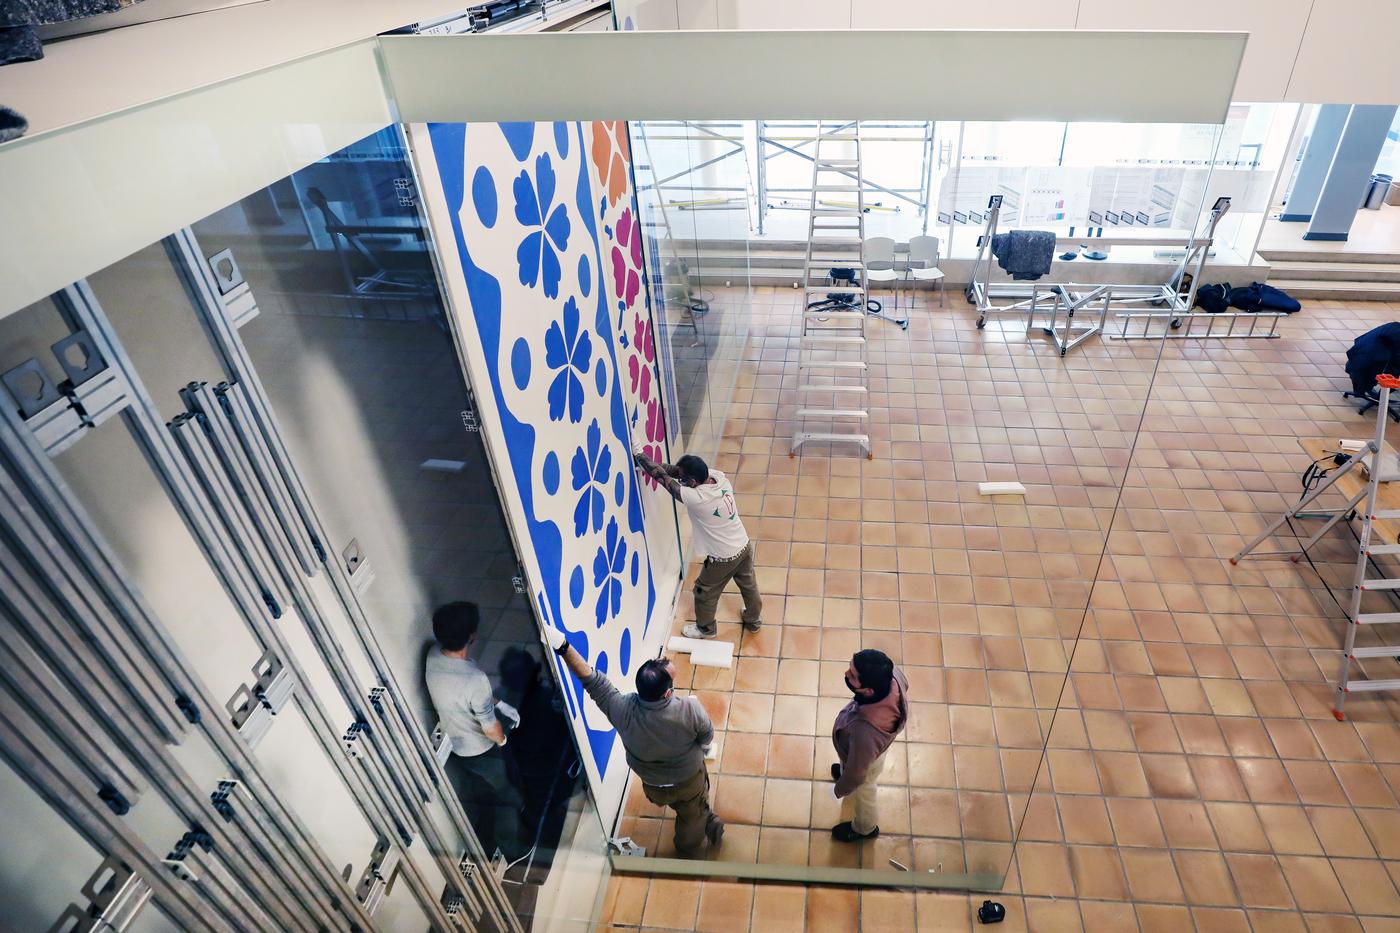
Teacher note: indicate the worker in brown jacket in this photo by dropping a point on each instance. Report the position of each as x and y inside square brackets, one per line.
[864, 730]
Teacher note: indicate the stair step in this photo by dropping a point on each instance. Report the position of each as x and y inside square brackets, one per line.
[1328, 256]
[1371, 686]
[1346, 291]
[816, 387]
[1381, 549]
[1379, 651]
[1371, 586]
[1377, 618]
[1350, 272]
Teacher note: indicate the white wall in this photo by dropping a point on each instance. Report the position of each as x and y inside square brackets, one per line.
[1309, 51]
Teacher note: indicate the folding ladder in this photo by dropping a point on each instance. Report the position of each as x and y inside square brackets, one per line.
[1370, 459]
[832, 364]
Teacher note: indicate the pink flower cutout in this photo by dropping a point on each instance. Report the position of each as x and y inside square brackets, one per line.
[626, 281]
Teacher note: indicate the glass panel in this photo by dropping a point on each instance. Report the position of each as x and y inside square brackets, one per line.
[980, 600]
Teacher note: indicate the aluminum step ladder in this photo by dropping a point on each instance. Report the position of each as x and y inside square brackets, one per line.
[1371, 461]
[832, 360]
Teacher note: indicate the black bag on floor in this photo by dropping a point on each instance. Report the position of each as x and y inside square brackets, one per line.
[1213, 298]
[1257, 296]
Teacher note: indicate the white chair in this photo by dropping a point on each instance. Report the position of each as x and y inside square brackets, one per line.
[879, 264]
[923, 265]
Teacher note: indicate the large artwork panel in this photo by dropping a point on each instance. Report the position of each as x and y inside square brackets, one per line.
[526, 226]
[637, 337]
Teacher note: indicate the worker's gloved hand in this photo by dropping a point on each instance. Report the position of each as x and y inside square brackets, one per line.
[555, 639]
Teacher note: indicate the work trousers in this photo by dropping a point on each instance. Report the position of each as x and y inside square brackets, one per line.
[714, 576]
[487, 789]
[691, 801]
[860, 807]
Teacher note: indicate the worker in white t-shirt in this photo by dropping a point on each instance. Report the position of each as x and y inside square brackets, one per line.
[719, 537]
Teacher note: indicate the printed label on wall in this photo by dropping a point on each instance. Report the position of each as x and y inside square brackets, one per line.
[560, 350]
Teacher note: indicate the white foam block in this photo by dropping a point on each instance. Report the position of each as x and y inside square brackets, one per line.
[704, 652]
[1001, 489]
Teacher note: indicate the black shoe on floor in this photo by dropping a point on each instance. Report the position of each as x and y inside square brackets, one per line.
[753, 626]
[844, 832]
[836, 772]
[715, 832]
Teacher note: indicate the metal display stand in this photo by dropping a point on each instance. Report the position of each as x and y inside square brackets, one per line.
[91, 727]
[1052, 306]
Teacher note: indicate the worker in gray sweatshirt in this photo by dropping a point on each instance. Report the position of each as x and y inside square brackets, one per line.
[665, 738]
[864, 730]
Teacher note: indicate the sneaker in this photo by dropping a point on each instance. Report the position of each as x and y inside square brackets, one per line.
[695, 631]
[753, 626]
[836, 771]
[845, 832]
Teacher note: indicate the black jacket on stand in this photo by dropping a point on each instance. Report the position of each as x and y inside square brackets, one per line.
[1374, 352]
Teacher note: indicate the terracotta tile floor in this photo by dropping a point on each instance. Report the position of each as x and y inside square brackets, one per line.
[1184, 771]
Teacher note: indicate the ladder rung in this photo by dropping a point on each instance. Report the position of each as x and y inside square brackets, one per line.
[1371, 686]
[1386, 513]
[1381, 584]
[814, 387]
[1377, 618]
[801, 437]
[837, 289]
[832, 364]
[1379, 549]
[836, 164]
[827, 338]
[1380, 651]
[831, 413]
[838, 187]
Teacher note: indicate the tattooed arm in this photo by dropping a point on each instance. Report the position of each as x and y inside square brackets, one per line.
[664, 473]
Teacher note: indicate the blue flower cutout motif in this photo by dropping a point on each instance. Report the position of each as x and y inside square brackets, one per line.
[608, 566]
[590, 468]
[569, 351]
[538, 253]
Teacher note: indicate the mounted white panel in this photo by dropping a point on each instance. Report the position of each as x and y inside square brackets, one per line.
[1275, 28]
[1348, 54]
[79, 199]
[1156, 77]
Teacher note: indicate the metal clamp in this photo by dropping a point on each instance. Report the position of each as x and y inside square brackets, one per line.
[223, 798]
[351, 738]
[47, 413]
[252, 708]
[193, 841]
[235, 294]
[379, 874]
[115, 895]
[623, 845]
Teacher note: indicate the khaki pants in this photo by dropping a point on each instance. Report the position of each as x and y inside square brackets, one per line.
[691, 801]
[860, 807]
[714, 576]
